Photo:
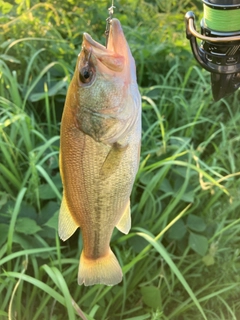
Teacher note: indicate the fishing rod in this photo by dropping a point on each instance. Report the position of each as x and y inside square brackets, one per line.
[219, 50]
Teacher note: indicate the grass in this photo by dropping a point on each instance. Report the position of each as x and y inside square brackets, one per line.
[181, 257]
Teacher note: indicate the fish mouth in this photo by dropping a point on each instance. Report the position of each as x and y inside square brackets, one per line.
[115, 56]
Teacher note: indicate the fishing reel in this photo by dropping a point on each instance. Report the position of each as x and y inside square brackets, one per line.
[219, 51]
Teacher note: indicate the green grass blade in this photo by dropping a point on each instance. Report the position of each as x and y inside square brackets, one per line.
[25, 252]
[162, 251]
[49, 181]
[13, 219]
[41, 285]
[10, 176]
[58, 279]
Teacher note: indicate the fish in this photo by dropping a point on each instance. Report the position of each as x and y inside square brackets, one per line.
[100, 141]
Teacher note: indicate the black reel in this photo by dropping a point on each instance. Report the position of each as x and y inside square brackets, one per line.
[219, 52]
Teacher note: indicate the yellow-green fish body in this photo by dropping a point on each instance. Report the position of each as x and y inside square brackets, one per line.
[99, 152]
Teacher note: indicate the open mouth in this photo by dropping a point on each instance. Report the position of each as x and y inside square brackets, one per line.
[113, 57]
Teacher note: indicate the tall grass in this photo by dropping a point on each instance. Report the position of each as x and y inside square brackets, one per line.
[181, 257]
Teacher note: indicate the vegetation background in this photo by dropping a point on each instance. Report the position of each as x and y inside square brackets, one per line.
[181, 259]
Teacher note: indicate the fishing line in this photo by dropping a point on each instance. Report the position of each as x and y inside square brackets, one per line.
[109, 19]
[225, 19]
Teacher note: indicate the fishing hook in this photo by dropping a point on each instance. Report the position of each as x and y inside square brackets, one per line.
[109, 20]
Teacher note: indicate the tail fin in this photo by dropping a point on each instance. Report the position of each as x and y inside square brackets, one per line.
[105, 270]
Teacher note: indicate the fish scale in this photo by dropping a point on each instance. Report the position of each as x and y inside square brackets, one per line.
[101, 207]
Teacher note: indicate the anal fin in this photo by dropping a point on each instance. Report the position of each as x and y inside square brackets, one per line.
[124, 224]
[66, 224]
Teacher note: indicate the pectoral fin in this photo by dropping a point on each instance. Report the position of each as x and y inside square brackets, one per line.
[112, 160]
[66, 224]
[124, 224]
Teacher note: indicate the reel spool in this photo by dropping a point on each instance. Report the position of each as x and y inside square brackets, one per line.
[219, 51]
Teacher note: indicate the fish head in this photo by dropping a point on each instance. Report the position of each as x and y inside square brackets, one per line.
[105, 86]
[115, 61]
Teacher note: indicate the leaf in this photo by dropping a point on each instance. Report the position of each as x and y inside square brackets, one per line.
[149, 205]
[188, 196]
[6, 43]
[137, 244]
[151, 297]
[178, 230]
[3, 233]
[146, 177]
[46, 192]
[27, 226]
[55, 89]
[6, 7]
[9, 58]
[47, 232]
[166, 186]
[26, 241]
[57, 180]
[53, 221]
[27, 211]
[3, 198]
[49, 220]
[195, 223]
[50, 186]
[208, 260]
[3, 313]
[47, 212]
[198, 243]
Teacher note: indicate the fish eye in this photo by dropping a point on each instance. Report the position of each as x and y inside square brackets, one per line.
[85, 74]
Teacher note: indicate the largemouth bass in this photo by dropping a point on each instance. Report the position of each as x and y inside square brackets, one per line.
[99, 152]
